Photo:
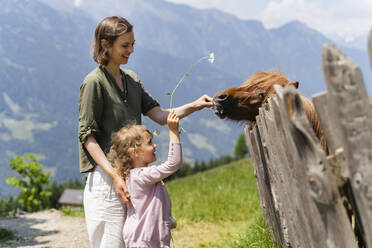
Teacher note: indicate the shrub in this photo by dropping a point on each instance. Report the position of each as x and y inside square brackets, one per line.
[32, 181]
[5, 235]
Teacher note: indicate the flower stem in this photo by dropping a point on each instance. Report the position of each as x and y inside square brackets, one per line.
[183, 77]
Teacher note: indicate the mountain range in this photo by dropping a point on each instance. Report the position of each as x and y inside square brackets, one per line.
[45, 50]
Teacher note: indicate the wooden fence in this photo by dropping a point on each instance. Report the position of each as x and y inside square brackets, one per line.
[297, 182]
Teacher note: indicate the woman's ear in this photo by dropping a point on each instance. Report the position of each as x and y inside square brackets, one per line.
[104, 43]
[295, 84]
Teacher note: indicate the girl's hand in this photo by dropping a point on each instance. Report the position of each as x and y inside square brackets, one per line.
[173, 121]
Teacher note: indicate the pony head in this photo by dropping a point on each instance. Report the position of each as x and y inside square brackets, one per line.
[242, 103]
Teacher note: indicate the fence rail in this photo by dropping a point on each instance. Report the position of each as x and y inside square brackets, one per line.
[299, 185]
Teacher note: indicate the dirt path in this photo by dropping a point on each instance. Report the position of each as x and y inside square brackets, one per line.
[49, 228]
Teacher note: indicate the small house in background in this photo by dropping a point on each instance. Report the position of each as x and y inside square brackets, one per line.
[71, 198]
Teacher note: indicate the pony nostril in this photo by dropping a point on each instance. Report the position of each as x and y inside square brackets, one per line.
[222, 97]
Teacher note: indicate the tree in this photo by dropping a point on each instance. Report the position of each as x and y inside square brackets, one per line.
[203, 166]
[32, 181]
[196, 167]
[240, 148]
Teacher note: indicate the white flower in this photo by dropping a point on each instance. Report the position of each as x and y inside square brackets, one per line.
[211, 58]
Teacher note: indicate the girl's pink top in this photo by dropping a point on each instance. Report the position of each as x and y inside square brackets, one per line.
[148, 221]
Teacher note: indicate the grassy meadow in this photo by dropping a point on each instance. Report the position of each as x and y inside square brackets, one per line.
[219, 208]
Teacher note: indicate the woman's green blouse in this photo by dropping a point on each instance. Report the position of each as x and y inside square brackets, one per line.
[104, 109]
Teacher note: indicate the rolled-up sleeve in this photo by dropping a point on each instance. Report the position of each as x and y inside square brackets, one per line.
[90, 109]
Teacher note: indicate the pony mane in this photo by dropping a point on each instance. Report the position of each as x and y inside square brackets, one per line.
[263, 81]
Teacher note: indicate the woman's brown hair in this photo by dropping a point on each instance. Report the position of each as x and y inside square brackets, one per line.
[127, 138]
[108, 29]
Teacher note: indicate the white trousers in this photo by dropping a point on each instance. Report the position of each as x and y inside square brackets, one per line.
[104, 213]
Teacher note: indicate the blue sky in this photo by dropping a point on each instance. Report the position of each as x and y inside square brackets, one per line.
[344, 18]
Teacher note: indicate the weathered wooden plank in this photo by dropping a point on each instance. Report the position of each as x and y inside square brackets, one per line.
[270, 177]
[333, 139]
[262, 179]
[297, 217]
[307, 216]
[350, 103]
[324, 213]
[257, 165]
[331, 132]
[274, 172]
[293, 233]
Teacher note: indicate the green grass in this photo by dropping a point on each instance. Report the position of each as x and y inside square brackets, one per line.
[6, 235]
[256, 236]
[223, 200]
[73, 211]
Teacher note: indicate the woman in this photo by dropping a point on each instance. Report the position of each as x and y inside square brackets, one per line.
[110, 98]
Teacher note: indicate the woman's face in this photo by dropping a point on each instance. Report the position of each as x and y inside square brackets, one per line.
[122, 49]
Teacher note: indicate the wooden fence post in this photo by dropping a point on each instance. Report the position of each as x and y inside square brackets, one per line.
[349, 102]
[299, 196]
[262, 180]
[298, 184]
[324, 216]
[279, 190]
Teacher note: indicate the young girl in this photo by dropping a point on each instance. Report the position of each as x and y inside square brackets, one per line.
[149, 218]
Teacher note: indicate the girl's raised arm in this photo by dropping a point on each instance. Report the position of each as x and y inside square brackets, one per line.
[154, 174]
[173, 125]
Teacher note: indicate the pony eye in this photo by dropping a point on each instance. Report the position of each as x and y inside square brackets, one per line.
[261, 95]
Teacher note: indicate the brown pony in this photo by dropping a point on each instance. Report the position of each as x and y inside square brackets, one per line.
[242, 103]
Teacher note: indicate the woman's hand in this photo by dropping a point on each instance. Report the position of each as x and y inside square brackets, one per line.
[203, 102]
[121, 190]
[96, 152]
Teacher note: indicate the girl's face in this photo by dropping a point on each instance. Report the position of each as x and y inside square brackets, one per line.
[145, 154]
[122, 48]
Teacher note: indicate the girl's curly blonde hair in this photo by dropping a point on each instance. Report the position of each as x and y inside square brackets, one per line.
[127, 138]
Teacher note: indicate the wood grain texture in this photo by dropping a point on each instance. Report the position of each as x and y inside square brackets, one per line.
[349, 102]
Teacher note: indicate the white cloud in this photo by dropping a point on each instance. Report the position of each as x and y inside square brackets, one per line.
[22, 128]
[78, 3]
[345, 18]
[216, 124]
[14, 107]
[201, 142]
[195, 3]
[241, 8]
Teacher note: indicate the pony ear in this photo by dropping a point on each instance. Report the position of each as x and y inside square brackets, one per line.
[295, 84]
